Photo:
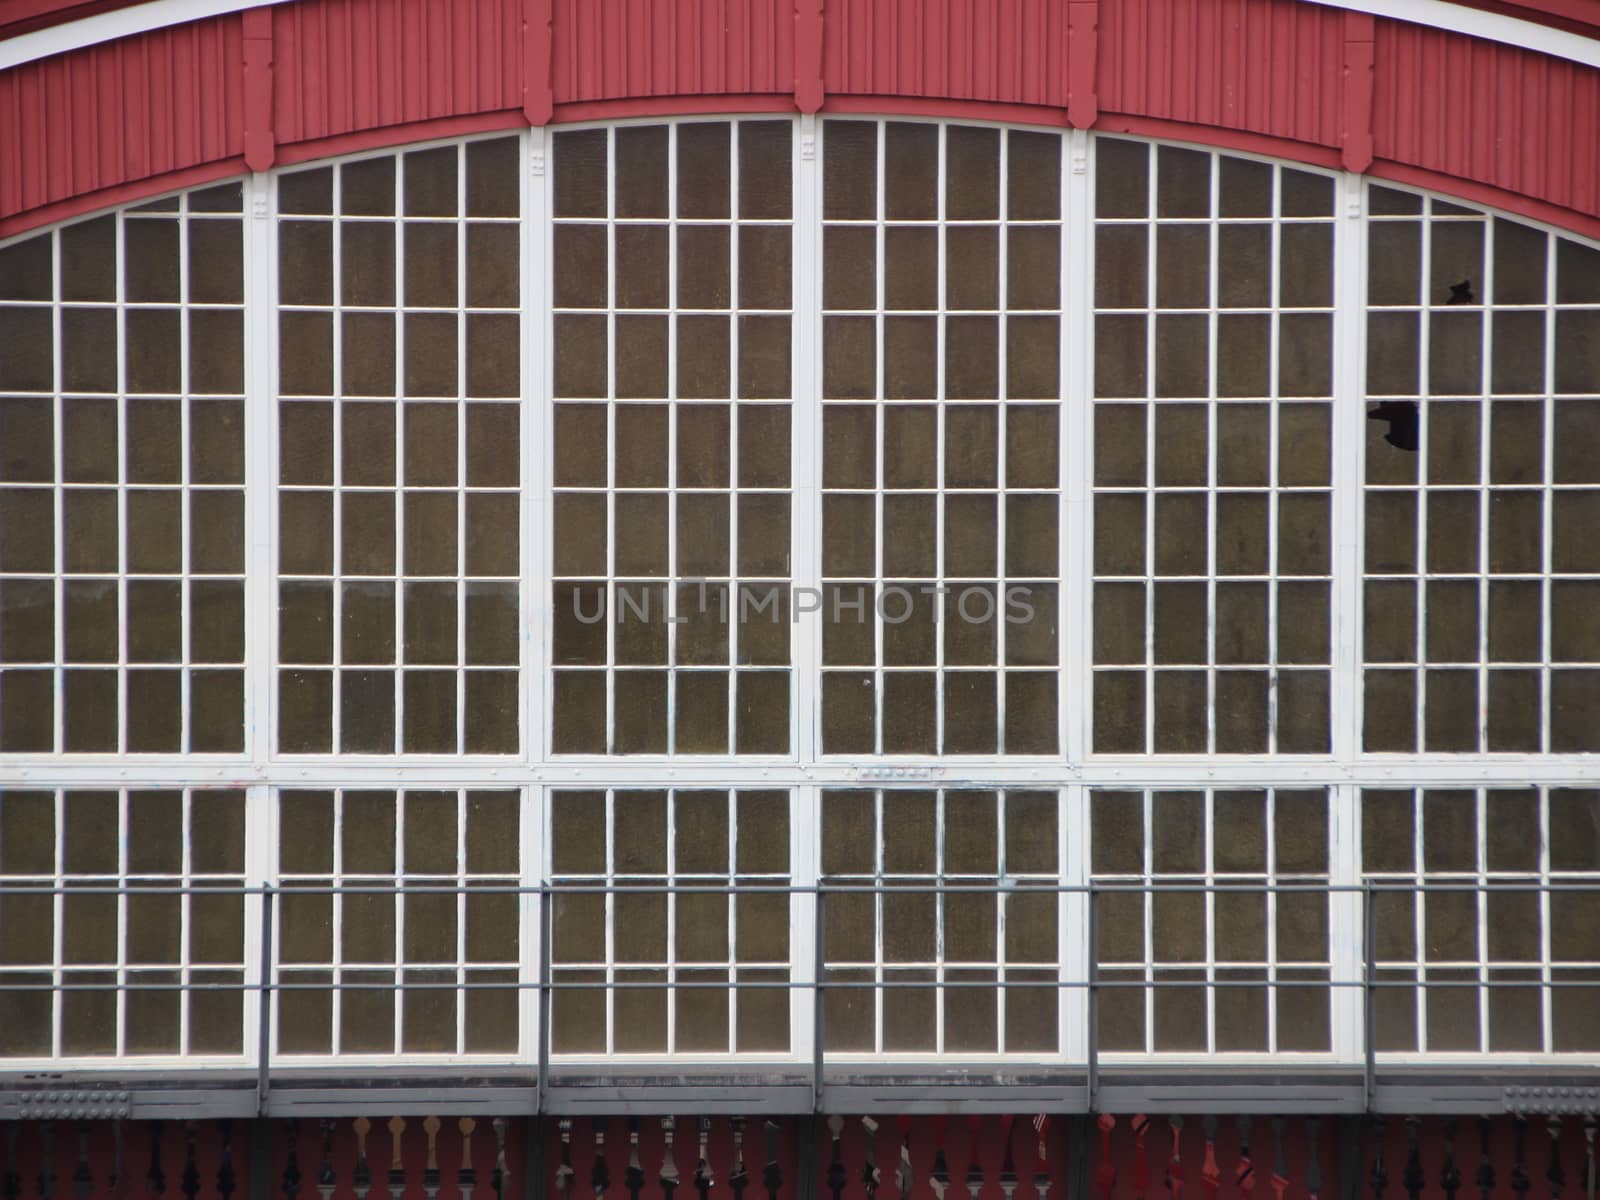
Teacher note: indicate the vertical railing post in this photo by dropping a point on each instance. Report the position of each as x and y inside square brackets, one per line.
[546, 925]
[1092, 973]
[1369, 935]
[264, 993]
[816, 1005]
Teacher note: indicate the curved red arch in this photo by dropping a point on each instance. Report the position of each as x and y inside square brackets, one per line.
[1495, 124]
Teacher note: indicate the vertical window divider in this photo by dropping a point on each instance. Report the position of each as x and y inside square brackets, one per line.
[260, 465]
[1346, 920]
[1077, 456]
[805, 469]
[1348, 443]
[260, 871]
[535, 428]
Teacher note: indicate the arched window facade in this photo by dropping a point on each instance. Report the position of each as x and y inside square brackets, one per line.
[699, 589]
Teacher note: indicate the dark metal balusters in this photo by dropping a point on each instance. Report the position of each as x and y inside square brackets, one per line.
[502, 1174]
[155, 1179]
[397, 1167]
[1244, 1171]
[291, 1166]
[633, 1178]
[363, 1177]
[1210, 1173]
[190, 1186]
[870, 1176]
[11, 1187]
[119, 1174]
[1588, 1155]
[1280, 1169]
[430, 1172]
[738, 1177]
[1008, 1166]
[1412, 1175]
[903, 1174]
[466, 1175]
[47, 1173]
[974, 1163]
[1041, 1176]
[83, 1176]
[836, 1175]
[939, 1179]
[1519, 1169]
[564, 1172]
[1380, 1173]
[669, 1162]
[1175, 1163]
[1485, 1178]
[1314, 1159]
[227, 1182]
[1555, 1173]
[600, 1170]
[703, 1177]
[1449, 1173]
[772, 1175]
[326, 1179]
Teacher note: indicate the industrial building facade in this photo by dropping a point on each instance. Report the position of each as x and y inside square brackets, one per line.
[604, 606]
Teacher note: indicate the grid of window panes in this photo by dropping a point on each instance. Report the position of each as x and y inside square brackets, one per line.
[1482, 592]
[941, 380]
[671, 438]
[1213, 376]
[642, 962]
[157, 970]
[392, 901]
[895, 944]
[1486, 918]
[121, 473]
[1215, 895]
[399, 377]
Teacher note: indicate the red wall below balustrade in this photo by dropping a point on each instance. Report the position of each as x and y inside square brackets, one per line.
[308, 78]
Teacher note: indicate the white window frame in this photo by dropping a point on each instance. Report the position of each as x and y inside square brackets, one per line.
[804, 772]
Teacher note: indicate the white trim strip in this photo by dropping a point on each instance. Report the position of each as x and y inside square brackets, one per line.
[1436, 14]
[108, 27]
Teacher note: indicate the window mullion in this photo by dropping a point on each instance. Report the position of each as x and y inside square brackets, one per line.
[1348, 450]
[1077, 444]
[806, 449]
[260, 464]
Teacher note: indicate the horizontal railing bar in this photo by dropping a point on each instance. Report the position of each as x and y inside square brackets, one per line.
[1009, 887]
[839, 985]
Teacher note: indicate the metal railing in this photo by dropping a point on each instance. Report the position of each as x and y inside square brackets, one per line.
[1362, 975]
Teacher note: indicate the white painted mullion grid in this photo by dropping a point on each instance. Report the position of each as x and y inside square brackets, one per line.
[1152, 496]
[1075, 435]
[1213, 474]
[670, 497]
[462, 482]
[880, 471]
[1547, 508]
[1347, 452]
[1274, 423]
[400, 482]
[1208, 866]
[1424, 484]
[806, 443]
[123, 483]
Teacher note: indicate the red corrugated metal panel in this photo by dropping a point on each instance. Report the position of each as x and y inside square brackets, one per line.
[1490, 113]
[611, 49]
[1003, 51]
[142, 107]
[1271, 67]
[346, 65]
